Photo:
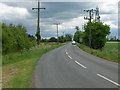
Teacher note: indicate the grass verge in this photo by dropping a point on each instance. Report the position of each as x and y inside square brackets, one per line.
[109, 52]
[18, 67]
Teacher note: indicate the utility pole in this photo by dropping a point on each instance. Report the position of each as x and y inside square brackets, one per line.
[89, 18]
[82, 27]
[63, 34]
[38, 22]
[57, 30]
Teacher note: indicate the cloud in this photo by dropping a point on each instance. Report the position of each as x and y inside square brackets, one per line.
[112, 20]
[69, 14]
[79, 21]
[112, 17]
[13, 13]
[65, 26]
[113, 26]
[109, 8]
[61, 0]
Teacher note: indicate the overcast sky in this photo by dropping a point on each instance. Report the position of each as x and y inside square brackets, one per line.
[68, 14]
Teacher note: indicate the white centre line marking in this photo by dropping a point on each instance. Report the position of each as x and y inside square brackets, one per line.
[80, 64]
[66, 53]
[108, 80]
[70, 57]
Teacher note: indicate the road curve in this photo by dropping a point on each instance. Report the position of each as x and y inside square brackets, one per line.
[70, 67]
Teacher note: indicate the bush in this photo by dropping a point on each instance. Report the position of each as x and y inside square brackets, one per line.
[68, 37]
[14, 38]
[98, 34]
[52, 39]
[78, 36]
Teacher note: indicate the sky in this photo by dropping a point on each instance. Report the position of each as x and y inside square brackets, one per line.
[68, 13]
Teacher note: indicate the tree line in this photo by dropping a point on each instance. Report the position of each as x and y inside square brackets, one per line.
[60, 39]
[112, 38]
[16, 38]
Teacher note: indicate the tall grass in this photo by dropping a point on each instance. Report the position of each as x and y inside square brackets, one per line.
[18, 67]
[33, 52]
[109, 52]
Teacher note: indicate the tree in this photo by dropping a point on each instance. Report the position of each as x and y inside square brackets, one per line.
[61, 39]
[31, 37]
[68, 37]
[77, 35]
[99, 31]
[113, 38]
[38, 36]
[14, 38]
[77, 28]
[52, 39]
[44, 40]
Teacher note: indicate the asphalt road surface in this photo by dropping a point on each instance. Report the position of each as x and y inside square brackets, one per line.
[70, 67]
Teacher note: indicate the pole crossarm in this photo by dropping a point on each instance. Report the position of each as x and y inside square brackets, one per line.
[57, 23]
[38, 8]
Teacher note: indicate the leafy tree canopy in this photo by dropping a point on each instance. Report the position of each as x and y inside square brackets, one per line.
[99, 31]
[14, 38]
[77, 35]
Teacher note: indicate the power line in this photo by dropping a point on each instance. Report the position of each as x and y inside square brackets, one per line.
[38, 22]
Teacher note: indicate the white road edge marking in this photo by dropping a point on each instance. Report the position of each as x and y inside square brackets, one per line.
[70, 57]
[108, 80]
[80, 64]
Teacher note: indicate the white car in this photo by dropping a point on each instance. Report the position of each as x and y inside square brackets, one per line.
[73, 42]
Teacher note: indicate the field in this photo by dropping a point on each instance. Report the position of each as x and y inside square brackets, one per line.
[109, 52]
[18, 67]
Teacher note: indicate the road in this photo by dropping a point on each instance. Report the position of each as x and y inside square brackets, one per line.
[70, 67]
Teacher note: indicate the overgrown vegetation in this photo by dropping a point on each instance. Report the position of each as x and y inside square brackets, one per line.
[98, 34]
[109, 52]
[18, 67]
[99, 47]
[78, 35]
[15, 38]
[20, 55]
[99, 31]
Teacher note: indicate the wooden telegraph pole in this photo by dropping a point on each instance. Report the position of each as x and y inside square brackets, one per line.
[38, 22]
[89, 18]
[57, 30]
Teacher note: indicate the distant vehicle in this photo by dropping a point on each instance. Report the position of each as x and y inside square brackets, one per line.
[73, 42]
